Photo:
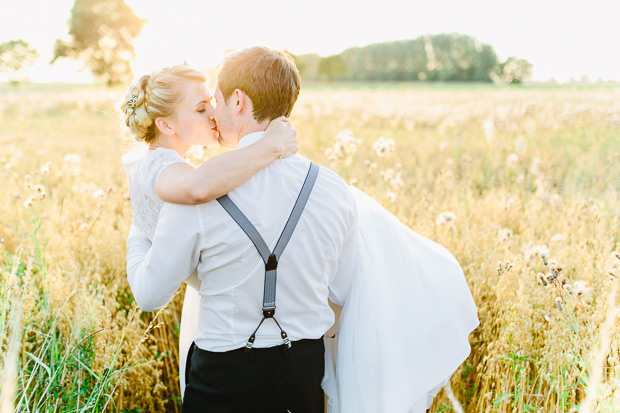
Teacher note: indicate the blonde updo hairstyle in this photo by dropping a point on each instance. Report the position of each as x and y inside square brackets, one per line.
[154, 96]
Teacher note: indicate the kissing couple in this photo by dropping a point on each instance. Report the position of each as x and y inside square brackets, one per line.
[272, 247]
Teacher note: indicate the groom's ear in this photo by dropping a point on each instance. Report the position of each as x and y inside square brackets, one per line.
[240, 101]
[165, 126]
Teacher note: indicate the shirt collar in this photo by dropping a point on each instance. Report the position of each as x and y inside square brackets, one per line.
[250, 138]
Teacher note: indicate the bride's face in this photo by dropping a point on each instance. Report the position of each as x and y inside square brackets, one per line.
[193, 116]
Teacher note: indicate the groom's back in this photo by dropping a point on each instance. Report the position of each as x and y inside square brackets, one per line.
[316, 262]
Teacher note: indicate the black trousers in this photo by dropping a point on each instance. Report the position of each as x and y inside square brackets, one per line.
[269, 380]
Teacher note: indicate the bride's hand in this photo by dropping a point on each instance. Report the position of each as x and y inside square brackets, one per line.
[283, 136]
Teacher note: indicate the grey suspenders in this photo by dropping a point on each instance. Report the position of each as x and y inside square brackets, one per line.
[271, 258]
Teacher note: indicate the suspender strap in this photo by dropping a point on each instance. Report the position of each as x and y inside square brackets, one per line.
[271, 258]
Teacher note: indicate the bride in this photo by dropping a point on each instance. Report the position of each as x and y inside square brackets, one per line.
[170, 110]
[404, 329]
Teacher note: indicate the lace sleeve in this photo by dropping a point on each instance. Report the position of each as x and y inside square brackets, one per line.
[145, 202]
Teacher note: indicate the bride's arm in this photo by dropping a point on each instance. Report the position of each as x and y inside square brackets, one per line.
[181, 183]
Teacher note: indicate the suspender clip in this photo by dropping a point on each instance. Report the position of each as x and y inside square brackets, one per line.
[286, 340]
[269, 312]
[250, 343]
[272, 263]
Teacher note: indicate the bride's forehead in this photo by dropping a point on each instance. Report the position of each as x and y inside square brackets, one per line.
[196, 92]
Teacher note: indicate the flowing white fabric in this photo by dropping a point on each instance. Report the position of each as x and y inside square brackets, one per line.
[404, 328]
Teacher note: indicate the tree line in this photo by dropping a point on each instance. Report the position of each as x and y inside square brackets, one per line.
[441, 57]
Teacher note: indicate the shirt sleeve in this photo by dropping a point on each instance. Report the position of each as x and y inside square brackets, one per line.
[156, 273]
[341, 284]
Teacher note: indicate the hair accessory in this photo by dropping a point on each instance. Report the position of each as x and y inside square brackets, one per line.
[132, 102]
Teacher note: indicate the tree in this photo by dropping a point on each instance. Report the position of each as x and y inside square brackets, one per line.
[101, 33]
[514, 70]
[331, 67]
[14, 56]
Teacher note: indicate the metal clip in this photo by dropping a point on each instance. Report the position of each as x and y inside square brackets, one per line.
[286, 340]
[269, 312]
[250, 343]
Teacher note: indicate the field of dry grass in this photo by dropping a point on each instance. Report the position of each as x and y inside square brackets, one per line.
[522, 185]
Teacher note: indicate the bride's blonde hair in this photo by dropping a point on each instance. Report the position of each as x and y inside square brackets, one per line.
[153, 96]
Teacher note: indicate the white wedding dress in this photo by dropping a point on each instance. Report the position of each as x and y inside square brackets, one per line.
[143, 168]
[404, 328]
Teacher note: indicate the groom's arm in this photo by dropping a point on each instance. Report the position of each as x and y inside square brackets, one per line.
[340, 285]
[156, 274]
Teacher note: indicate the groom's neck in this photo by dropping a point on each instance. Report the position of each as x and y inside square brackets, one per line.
[253, 127]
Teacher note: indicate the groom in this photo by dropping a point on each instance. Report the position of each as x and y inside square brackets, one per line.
[259, 344]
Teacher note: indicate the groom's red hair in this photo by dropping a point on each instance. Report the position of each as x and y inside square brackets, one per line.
[269, 77]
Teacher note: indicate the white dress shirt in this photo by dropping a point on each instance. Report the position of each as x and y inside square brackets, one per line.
[318, 262]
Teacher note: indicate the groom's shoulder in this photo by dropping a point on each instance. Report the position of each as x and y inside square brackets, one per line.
[326, 175]
[332, 178]
[334, 188]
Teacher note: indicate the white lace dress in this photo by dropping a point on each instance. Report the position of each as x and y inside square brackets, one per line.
[143, 170]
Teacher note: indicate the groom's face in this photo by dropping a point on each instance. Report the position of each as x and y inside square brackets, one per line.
[224, 120]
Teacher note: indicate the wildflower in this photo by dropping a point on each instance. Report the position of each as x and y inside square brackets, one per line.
[353, 181]
[512, 160]
[549, 317]
[533, 251]
[384, 146]
[581, 289]
[98, 194]
[45, 169]
[393, 178]
[443, 146]
[28, 202]
[446, 217]
[346, 143]
[558, 302]
[27, 181]
[391, 196]
[17, 195]
[41, 191]
[542, 279]
[330, 154]
[557, 238]
[504, 234]
[370, 167]
[72, 158]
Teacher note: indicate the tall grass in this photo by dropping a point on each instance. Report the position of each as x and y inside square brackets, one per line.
[520, 184]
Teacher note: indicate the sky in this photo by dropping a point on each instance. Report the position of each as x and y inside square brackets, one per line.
[562, 39]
